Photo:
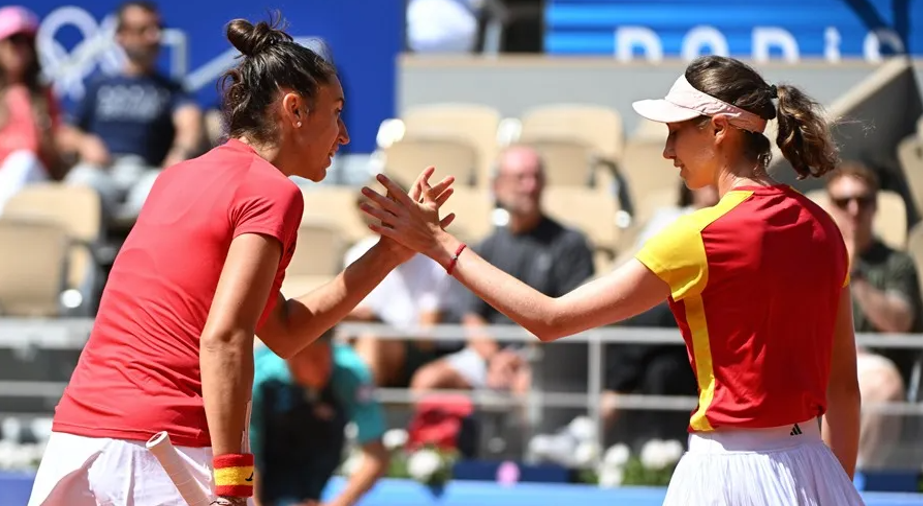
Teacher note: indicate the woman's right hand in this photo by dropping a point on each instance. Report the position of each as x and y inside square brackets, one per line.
[414, 224]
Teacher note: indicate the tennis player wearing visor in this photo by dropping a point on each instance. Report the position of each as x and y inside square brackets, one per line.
[758, 284]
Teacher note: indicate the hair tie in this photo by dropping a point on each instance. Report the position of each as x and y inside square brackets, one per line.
[773, 91]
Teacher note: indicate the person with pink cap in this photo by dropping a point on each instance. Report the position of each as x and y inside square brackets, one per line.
[758, 284]
[29, 116]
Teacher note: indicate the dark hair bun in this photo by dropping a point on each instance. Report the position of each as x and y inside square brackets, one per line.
[251, 40]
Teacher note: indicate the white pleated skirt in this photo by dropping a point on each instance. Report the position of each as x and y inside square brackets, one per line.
[781, 466]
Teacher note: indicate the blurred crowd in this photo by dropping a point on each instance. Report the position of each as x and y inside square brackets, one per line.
[130, 125]
[116, 138]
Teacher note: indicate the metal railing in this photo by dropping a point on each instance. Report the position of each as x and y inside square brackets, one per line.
[64, 334]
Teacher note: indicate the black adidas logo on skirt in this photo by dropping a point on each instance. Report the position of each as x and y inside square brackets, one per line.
[796, 431]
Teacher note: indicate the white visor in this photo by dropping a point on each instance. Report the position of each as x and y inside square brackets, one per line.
[684, 103]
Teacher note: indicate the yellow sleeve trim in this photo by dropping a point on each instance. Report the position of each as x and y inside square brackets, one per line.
[677, 256]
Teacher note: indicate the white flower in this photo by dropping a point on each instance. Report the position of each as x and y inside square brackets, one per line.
[611, 477]
[654, 455]
[539, 448]
[582, 428]
[422, 464]
[11, 428]
[352, 463]
[673, 450]
[586, 453]
[562, 449]
[394, 439]
[41, 427]
[25, 455]
[617, 456]
[7, 454]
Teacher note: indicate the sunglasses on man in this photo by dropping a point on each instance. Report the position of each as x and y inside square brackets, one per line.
[862, 201]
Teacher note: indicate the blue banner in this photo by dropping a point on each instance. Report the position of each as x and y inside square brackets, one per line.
[787, 30]
[75, 41]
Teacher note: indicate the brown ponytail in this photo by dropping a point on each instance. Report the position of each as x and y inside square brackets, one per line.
[804, 137]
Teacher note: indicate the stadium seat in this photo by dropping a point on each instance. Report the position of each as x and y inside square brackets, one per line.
[592, 212]
[646, 172]
[404, 160]
[473, 208]
[317, 259]
[78, 210]
[33, 263]
[473, 124]
[890, 223]
[596, 126]
[647, 129]
[574, 164]
[338, 204]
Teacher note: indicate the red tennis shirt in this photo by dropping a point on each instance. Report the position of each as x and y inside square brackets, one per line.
[755, 284]
[139, 372]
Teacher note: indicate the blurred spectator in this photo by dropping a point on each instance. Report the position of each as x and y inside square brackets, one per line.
[886, 299]
[653, 369]
[536, 250]
[412, 294]
[129, 126]
[442, 26]
[297, 427]
[29, 118]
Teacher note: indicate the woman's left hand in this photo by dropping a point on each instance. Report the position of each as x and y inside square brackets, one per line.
[442, 190]
[411, 220]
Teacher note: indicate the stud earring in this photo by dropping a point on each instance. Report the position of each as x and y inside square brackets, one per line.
[298, 124]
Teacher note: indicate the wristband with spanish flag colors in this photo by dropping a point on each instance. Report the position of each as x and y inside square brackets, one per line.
[234, 475]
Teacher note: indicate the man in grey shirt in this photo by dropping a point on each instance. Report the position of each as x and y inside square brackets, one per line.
[535, 249]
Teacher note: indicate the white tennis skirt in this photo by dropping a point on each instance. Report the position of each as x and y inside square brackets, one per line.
[86, 471]
[782, 466]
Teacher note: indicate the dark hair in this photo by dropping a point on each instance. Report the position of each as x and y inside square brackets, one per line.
[803, 135]
[141, 4]
[271, 60]
[857, 170]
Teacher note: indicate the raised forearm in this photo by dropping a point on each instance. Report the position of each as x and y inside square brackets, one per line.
[887, 312]
[226, 362]
[303, 319]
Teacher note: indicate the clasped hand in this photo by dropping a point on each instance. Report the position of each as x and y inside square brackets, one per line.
[411, 219]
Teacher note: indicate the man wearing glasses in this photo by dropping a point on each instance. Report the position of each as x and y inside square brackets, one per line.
[130, 125]
[886, 299]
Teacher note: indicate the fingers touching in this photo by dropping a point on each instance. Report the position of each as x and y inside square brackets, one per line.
[422, 200]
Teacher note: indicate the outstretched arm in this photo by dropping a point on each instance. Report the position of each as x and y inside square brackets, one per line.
[623, 293]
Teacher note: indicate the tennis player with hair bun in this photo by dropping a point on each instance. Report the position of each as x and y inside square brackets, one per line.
[758, 284]
[172, 346]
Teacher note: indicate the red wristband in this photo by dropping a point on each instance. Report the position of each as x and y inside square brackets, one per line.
[233, 475]
[451, 267]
